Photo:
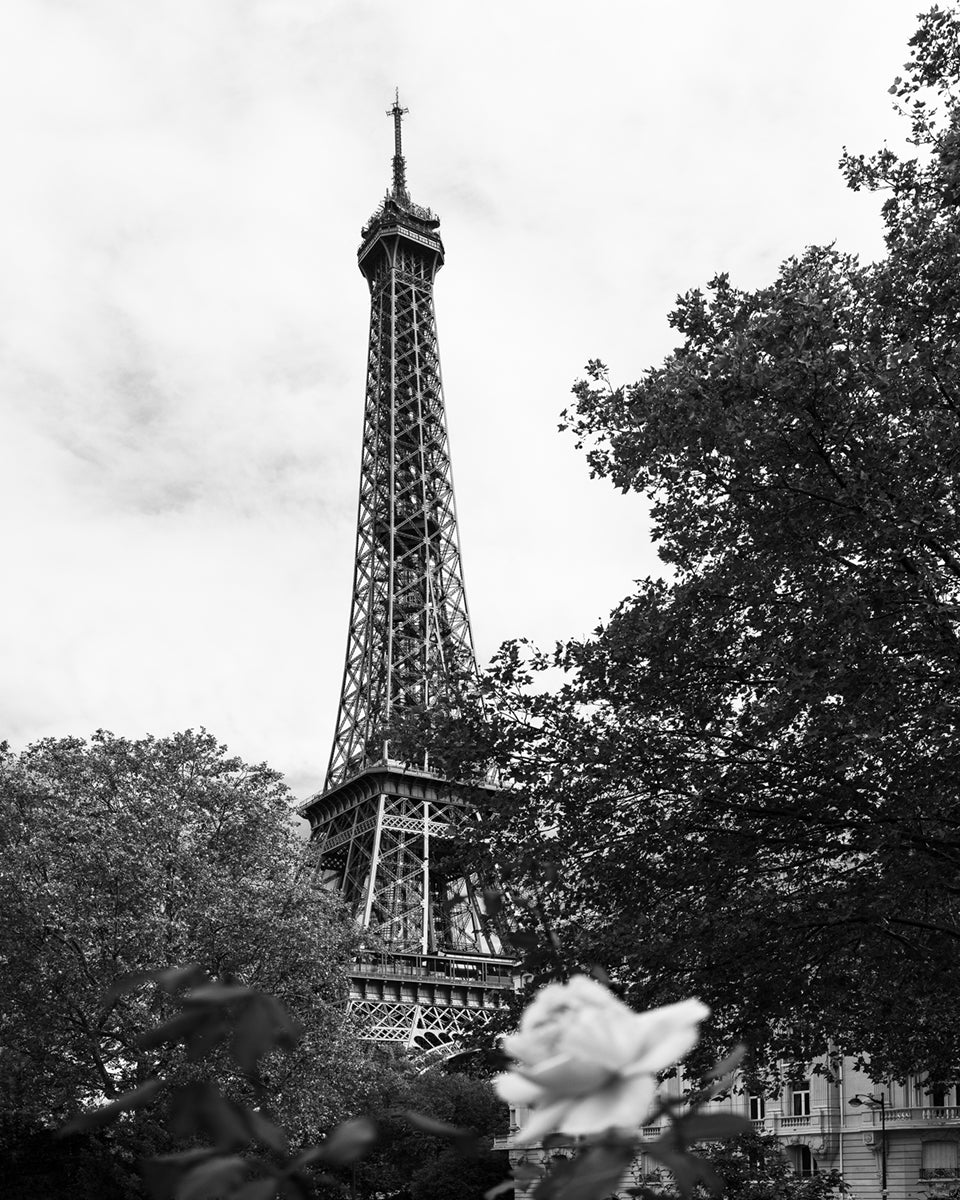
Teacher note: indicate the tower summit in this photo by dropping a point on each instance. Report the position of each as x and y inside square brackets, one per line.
[399, 165]
[381, 825]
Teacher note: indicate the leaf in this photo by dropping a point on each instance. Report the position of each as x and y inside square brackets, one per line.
[528, 1170]
[161, 1174]
[522, 940]
[596, 1173]
[713, 1127]
[171, 979]
[500, 1190]
[256, 1189]
[311, 1155]
[205, 1038]
[432, 1125]
[219, 993]
[225, 1123]
[168, 978]
[212, 1177]
[492, 901]
[708, 1177]
[349, 1141]
[726, 1065]
[679, 1165]
[138, 1098]
[254, 1036]
[466, 1139]
[186, 1101]
[184, 1158]
[177, 1029]
[264, 1131]
[263, 1026]
[127, 983]
[721, 1076]
[289, 1031]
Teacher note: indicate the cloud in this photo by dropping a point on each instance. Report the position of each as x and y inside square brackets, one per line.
[183, 326]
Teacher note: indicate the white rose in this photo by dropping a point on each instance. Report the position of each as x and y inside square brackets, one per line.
[587, 1062]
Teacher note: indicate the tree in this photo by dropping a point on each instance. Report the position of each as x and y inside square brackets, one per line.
[754, 1167]
[119, 856]
[747, 787]
[410, 1161]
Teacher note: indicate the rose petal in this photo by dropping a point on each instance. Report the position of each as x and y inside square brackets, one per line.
[542, 1121]
[612, 1041]
[590, 991]
[622, 1105]
[565, 1076]
[514, 1089]
[546, 1019]
[665, 1053]
[664, 1035]
[557, 1000]
[545, 1005]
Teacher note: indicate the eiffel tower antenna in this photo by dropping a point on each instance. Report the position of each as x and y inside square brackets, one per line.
[399, 164]
[382, 825]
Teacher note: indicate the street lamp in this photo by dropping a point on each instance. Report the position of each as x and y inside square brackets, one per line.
[876, 1102]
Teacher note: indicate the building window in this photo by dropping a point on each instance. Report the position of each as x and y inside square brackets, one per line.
[803, 1162]
[939, 1160]
[758, 1108]
[800, 1099]
[931, 1094]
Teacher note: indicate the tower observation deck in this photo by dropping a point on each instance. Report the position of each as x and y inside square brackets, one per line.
[432, 955]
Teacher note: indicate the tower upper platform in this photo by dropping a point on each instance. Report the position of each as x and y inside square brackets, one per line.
[398, 215]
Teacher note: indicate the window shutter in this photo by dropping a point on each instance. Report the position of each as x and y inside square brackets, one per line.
[939, 1160]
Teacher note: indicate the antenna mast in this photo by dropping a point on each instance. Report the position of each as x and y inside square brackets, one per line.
[399, 164]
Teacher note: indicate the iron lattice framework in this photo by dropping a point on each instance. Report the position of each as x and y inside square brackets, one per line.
[384, 830]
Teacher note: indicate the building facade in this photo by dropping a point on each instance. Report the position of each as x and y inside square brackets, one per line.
[905, 1148]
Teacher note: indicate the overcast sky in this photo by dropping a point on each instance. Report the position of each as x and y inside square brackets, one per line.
[183, 326]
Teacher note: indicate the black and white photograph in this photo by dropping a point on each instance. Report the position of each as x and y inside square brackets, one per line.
[480, 647]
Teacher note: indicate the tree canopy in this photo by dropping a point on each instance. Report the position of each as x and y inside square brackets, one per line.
[755, 1167]
[747, 787]
[410, 1162]
[119, 856]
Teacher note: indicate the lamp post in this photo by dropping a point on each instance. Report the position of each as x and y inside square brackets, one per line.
[876, 1102]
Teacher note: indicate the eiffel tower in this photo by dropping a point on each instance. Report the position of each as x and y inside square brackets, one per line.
[432, 958]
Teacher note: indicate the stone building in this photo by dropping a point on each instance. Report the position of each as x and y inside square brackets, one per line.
[910, 1142]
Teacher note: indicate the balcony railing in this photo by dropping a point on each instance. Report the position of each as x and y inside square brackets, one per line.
[435, 968]
[946, 1115]
[896, 1118]
[774, 1122]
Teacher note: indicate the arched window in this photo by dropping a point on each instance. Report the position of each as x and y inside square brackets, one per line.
[803, 1162]
[939, 1160]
